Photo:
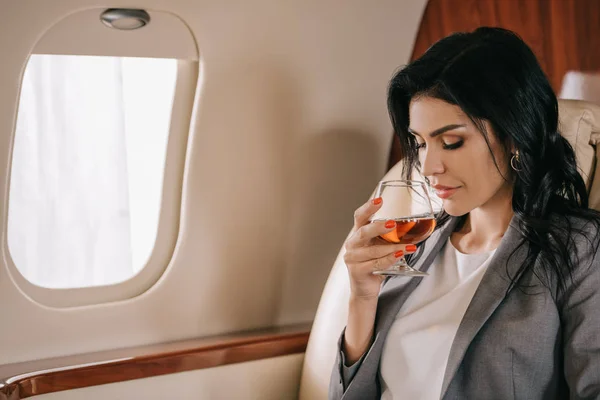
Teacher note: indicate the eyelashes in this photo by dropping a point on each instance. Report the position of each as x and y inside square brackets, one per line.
[451, 146]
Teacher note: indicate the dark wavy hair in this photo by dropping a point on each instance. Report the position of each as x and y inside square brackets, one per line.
[493, 76]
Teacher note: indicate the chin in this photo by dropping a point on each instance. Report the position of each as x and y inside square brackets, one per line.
[454, 210]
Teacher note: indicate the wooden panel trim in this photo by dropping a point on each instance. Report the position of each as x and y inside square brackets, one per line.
[22, 380]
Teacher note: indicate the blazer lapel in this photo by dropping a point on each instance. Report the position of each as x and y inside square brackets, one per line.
[491, 291]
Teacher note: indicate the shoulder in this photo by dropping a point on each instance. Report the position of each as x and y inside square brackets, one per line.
[563, 247]
[577, 239]
[576, 233]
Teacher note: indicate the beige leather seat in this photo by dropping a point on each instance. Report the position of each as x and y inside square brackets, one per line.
[579, 123]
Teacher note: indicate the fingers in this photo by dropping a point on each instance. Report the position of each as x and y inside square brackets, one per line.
[368, 253]
[379, 263]
[365, 255]
[364, 212]
[363, 235]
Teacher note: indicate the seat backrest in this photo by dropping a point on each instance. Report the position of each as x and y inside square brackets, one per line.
[579, 124]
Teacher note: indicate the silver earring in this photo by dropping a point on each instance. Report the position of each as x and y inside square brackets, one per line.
[515, 161]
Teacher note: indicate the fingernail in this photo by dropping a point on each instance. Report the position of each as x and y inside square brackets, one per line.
[398, 254]
[377, 201]
[411, 248]
[390, 224]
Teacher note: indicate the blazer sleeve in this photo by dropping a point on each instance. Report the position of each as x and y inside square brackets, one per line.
[362, 382]
[342, 375]
[580, 315]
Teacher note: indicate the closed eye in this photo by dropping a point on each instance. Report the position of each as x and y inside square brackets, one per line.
[446, 146]
[453, 146]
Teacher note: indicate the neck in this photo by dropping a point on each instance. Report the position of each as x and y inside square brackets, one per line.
[485, 226]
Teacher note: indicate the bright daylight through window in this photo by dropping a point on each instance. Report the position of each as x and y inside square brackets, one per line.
[87, 168]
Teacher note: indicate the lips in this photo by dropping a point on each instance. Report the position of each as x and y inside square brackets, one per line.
[444, 192]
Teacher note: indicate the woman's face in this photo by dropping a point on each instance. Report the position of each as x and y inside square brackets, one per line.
[455, 157]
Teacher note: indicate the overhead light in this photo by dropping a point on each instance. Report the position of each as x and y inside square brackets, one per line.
[125, 18]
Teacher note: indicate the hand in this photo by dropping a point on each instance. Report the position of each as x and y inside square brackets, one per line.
[366, 252]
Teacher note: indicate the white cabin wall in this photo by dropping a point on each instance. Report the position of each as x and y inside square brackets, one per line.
[290, 134]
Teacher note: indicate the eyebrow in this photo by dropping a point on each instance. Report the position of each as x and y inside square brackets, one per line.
[439, 131]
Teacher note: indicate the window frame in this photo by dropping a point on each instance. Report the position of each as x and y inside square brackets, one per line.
[186, 84]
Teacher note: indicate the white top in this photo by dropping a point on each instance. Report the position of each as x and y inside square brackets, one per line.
[417, 347]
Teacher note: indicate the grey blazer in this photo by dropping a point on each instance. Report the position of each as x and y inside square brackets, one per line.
[526, 343]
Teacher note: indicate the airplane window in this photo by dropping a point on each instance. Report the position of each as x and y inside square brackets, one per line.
[87, 167]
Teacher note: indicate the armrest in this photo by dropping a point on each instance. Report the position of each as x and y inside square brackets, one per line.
[22, 380]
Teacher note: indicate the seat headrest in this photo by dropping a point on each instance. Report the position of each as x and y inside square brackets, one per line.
[579, 123]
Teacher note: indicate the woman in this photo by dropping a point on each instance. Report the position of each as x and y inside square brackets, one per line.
[511, 306]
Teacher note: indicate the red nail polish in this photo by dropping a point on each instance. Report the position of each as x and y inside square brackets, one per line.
[411, 248]
[377, 201]
[398, 254]
[390, 224]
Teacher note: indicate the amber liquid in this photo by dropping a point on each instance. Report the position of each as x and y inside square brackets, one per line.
[409, 231]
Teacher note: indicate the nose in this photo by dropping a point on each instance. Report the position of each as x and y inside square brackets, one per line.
[431, 163]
